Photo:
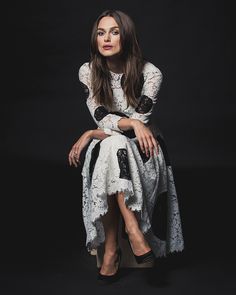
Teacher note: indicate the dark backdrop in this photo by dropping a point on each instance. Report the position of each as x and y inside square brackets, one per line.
[45, 113]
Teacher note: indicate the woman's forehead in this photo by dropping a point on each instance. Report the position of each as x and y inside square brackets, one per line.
[107, 22]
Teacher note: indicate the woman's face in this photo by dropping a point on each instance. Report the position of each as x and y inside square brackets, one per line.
[108, 37]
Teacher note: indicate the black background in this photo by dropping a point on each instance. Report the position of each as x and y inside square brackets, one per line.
[44, 113]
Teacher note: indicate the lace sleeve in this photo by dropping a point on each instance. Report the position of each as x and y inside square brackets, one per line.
[104, 120]
[152, 82]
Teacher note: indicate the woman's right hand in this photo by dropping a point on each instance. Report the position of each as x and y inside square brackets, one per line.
[145, 137]
[77, 148]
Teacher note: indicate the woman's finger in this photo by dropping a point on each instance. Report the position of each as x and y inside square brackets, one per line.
[150, 145]
[74, 150]
[155, 143]
[74, 154]
[74, 161]
[70, 157]
[77, 156]
[146, 147]
[142, 144]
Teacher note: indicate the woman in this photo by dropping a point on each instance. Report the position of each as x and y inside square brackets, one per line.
[126, 168]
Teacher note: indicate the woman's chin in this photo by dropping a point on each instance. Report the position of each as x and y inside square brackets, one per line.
[109, 54]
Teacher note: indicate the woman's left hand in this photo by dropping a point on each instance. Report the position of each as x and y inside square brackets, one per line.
[78, 147]
[146, 139]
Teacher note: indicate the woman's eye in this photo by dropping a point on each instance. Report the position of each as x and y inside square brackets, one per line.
[113, 32]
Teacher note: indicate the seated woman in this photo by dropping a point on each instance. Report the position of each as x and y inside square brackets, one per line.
[126, 169]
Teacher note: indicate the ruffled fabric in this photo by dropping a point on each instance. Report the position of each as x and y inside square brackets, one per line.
[142, 185]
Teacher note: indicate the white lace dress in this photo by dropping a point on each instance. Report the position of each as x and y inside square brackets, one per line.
[117, 164]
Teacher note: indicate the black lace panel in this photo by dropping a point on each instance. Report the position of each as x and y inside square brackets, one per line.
[145, 105]
[123, 164]
[86, 89]
[100, 113]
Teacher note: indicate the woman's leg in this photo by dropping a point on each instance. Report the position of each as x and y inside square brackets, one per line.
[110, 222]
[136, 237]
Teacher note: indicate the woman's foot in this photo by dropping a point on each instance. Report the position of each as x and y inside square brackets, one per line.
[109, 265]
[138, 243]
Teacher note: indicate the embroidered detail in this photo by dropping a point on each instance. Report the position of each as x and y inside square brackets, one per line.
[123, 164]
[116, 79]
[149, 181]
[144, 105]
[100, 113]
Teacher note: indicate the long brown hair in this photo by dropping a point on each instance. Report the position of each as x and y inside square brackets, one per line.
[130, 54]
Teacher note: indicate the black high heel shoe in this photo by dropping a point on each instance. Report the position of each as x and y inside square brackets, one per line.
[115, 276]
[146, 257]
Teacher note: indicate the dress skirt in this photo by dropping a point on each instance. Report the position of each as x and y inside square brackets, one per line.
[117, 164]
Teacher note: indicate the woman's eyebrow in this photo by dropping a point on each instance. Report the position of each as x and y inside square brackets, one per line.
[105, 30]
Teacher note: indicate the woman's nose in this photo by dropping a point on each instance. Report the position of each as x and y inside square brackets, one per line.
[107, 37]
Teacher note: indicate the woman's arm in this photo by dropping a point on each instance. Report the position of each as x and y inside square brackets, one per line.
[98, 134]
[82, 142]
[126, 123]
[144, 135]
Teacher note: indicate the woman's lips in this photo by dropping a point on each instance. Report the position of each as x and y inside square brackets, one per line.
[107, 47]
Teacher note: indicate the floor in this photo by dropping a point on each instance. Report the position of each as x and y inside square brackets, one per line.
[179, 276]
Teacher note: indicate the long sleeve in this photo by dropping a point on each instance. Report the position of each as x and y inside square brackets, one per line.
[152, 82]
[104, 120]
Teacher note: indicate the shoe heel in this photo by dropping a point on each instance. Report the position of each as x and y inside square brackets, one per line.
[147, 257]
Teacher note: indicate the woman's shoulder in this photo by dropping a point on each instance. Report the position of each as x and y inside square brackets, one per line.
[85, 67]
[84, 73]
[149, 67]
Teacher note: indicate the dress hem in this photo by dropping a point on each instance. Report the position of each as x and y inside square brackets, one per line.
[95, 243]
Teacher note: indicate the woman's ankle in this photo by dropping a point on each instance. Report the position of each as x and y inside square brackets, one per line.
[111, 249]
